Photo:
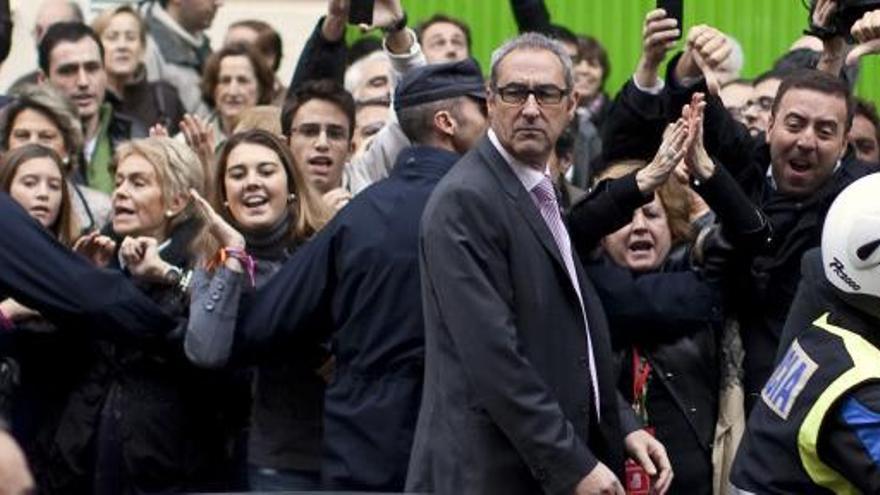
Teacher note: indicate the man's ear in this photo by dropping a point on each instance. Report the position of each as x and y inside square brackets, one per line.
[769, 128]
[42, 78]
[573, 99]
[445, 123]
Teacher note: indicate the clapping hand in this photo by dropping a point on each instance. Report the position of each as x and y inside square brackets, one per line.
[672, 150]
[697, 159]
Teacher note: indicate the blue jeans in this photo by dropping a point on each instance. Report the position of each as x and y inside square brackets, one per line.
[277, 480]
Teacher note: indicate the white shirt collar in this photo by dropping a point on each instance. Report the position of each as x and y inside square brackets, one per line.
[528, 176]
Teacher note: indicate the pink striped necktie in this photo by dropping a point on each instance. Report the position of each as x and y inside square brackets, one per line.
[544, 197]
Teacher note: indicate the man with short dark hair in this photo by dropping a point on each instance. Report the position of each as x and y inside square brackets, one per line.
[319, 121]
[356, 282]
[178, 48]
[865, 133]
[793, 173]
[520, 392]
[71, 59]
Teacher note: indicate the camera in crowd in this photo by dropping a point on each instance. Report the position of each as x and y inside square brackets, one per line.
[848, 12]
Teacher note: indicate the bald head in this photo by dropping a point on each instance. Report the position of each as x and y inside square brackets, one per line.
[55, 11]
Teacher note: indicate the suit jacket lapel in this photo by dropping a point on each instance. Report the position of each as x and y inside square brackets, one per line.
[522, 198]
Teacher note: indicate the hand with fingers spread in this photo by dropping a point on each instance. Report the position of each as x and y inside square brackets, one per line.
[141, 258]
[707, 49]
[200, 138]
[866, 31]
[659, 35]
[96, 248]
[649, 453]
[226, 234]
[600, 481]
[672, 151]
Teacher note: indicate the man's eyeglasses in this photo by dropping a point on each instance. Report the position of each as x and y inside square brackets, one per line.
[545, 94]
[313, 131]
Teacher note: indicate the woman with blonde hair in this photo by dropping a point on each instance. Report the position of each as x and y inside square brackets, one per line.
[144, 419]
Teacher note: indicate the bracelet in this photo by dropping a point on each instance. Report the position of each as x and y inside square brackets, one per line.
[225, 253]
[5, 322]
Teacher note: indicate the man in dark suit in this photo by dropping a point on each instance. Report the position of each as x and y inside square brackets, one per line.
[519, 393]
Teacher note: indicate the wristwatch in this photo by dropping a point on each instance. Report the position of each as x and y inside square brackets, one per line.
[173, 275]
[397, 26]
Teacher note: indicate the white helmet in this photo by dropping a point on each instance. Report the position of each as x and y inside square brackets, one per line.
[851, 239]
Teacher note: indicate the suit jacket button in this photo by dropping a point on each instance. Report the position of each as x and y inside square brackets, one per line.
[215, 296]
[209, 307]
[540, 474]
[585, 363]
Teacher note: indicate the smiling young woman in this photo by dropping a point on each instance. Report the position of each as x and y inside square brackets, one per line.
[265, 205]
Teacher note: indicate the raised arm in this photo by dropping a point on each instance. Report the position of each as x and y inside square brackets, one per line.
[323, 56]
[530, 15]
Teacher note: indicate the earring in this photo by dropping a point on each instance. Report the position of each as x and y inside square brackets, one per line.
[291, 198]
[226, 204]
[169, 214]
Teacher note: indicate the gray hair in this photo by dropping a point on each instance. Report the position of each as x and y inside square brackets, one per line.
[354, 75]
[532, 42]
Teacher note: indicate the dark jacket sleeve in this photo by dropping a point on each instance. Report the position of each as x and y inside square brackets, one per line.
[530, 15]
[320, 59]
[293, 305]
[744, 225]
[674, 302]
[42, 274]
[608, 207]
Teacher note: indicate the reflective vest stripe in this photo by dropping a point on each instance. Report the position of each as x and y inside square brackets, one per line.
[866, 359]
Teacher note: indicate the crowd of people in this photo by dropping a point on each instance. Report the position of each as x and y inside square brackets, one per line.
[401, 273]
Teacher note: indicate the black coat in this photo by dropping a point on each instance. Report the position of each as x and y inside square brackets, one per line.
[507, 405]
[673, 317]
[144, 419]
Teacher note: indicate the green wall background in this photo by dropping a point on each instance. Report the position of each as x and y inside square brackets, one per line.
[765, 28]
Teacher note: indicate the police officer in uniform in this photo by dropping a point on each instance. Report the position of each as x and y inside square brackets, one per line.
[816, 427]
